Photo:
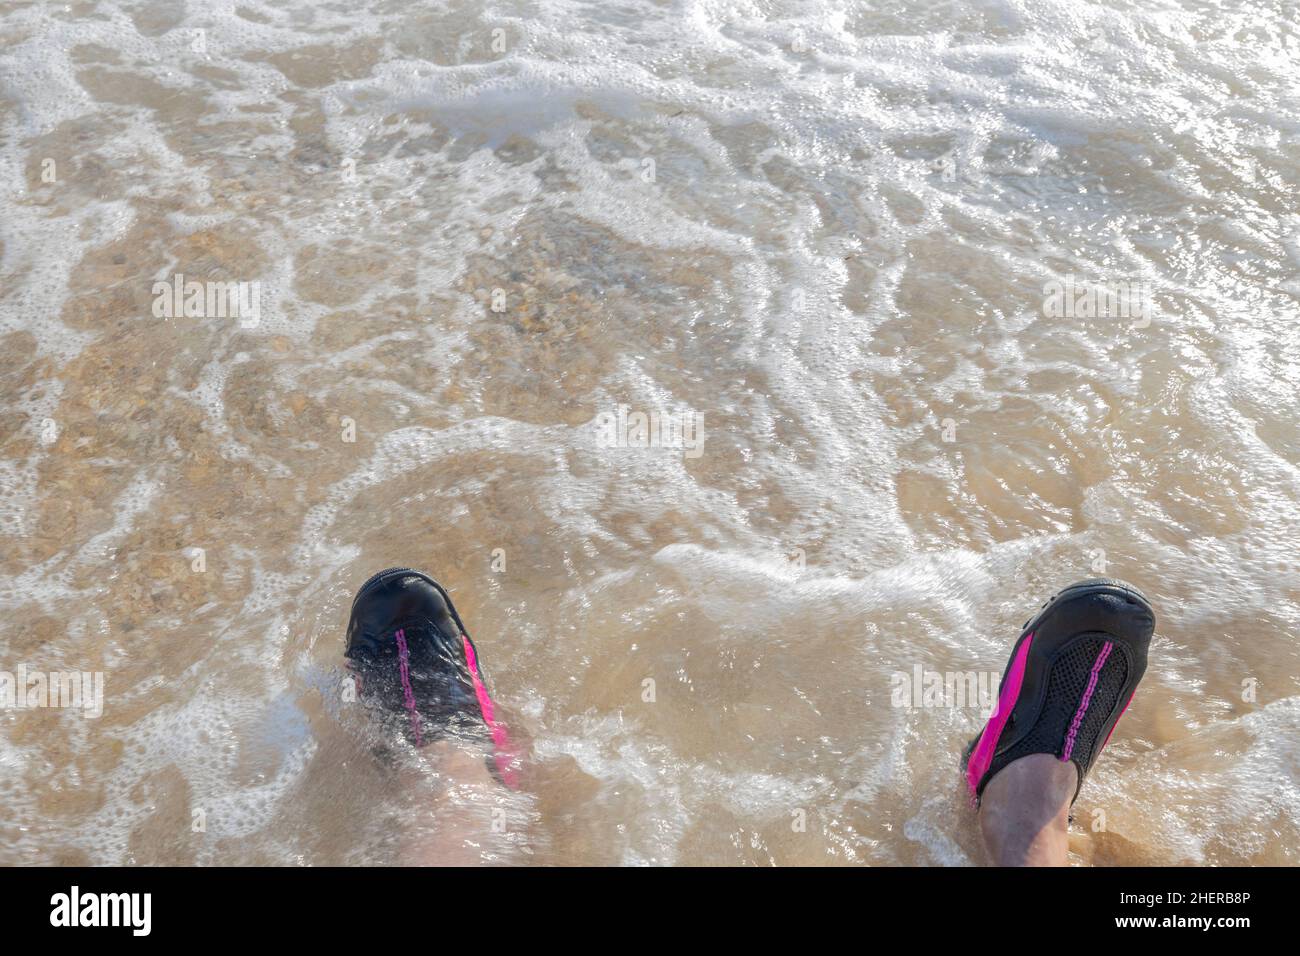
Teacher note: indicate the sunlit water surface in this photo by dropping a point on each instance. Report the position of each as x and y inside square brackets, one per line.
[826, 229]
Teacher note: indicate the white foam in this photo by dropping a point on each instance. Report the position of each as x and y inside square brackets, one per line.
[847, 311]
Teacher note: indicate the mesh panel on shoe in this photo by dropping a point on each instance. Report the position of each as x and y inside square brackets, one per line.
[1110, 684]
[1066, 686]
[444, 695]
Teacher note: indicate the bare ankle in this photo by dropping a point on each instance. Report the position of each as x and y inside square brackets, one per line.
[1024, 811]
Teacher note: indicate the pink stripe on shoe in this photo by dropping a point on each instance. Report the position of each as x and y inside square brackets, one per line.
[982, 756]
[1086, 700]
[404, 668]
[500, 739]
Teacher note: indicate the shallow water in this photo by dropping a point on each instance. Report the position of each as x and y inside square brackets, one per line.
[826, 229]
